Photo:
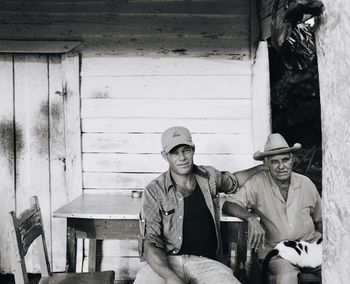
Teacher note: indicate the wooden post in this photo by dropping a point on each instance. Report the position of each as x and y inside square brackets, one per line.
[333, 39]
[261, 109]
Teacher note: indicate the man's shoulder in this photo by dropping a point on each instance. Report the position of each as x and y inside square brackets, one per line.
[158, 182]
[301, 178]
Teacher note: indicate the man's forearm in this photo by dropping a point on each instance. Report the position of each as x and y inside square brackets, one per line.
[157, 259]
[236, 210]
[244, 175]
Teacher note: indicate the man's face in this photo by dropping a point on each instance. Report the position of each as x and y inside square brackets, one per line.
[280, 166]
[180, 159]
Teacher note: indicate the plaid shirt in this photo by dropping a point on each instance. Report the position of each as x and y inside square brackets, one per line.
[163, 206]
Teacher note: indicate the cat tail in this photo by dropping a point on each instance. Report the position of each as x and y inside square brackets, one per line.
[265, 266]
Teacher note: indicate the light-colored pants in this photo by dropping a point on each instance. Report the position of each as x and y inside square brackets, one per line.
[284, 271]
[192, 269]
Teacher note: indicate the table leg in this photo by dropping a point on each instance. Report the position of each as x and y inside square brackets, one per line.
[92, 255]
[71, 246]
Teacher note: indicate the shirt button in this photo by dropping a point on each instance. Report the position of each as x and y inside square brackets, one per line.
[174, 252]
[180, 217]
[180, 199]
[180, 238]
[290, 224]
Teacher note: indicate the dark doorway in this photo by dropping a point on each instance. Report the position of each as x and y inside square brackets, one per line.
[296, 113]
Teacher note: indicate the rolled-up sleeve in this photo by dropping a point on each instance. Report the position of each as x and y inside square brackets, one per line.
[150, 213]
[226, 182]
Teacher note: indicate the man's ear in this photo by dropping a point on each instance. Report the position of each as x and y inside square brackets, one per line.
[266, 162]
[194, 149]
[165, 157]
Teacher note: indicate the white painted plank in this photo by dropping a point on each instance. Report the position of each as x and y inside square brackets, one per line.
[169, 46]
[151, 163]
[70, 68]
[199, 87]
[7, 147]
[261, 96]
[117, 180]
[150, 143]
[154, 125]
[140, 66]
[59, 195]
[32, 151]
[225, 108]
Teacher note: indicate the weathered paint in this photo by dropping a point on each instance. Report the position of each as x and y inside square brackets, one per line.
[333, 39]
[7, 139]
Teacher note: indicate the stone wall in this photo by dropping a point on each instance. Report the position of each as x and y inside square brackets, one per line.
[333, 39]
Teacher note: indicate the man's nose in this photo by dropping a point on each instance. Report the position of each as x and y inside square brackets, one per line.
[181, 156]
[280, 165]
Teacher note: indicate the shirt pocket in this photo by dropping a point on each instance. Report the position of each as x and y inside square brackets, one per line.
[168, 209]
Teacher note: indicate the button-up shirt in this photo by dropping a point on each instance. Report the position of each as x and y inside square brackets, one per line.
[291, 219]
[163, 206]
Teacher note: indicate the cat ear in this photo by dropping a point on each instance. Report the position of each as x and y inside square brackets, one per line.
[319, 241]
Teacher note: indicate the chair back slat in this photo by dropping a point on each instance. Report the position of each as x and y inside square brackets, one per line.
[28, 229]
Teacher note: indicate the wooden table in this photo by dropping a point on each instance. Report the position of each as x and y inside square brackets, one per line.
[107, 216]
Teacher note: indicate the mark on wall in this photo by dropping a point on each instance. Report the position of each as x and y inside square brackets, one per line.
[41, 130]
[11, 141]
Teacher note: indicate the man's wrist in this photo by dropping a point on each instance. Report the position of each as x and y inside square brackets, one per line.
[254, 217]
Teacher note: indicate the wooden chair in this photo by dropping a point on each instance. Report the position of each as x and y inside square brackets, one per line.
[27, 228]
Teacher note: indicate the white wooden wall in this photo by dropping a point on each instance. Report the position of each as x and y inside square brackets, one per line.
[128, 101]
[33, 146]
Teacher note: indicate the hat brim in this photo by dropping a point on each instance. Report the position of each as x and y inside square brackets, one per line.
[259, 156]
[169, 147]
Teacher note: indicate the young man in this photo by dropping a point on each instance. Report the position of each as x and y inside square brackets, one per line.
[182, 241]
[284, 206]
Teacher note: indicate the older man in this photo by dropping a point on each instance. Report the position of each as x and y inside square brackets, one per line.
[182, 240]
[282, 205]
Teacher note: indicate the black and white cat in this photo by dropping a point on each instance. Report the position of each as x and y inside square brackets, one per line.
[299, 253]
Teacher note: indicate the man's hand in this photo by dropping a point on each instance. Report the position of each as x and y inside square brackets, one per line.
[256, 233]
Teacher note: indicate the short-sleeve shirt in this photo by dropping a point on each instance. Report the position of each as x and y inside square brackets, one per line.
[293, 219]
[163, 206]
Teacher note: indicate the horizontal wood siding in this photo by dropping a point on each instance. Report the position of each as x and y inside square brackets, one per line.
[205, 28]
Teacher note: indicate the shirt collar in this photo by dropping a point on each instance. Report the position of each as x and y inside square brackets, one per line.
[198, 171]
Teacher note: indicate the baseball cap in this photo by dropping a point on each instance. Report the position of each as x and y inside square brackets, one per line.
[174, 136]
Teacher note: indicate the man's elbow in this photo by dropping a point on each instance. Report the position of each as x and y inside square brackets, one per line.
[229, 208]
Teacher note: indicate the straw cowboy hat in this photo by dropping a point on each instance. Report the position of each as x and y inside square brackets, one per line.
[275, 145]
